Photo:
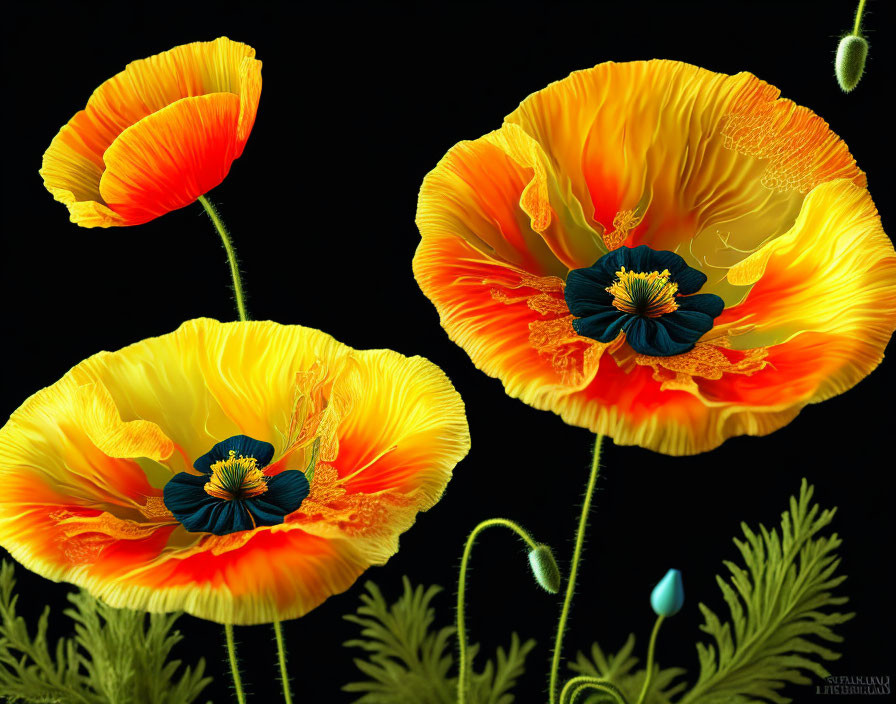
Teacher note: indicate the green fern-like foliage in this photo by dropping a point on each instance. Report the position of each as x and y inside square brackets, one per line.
[779, 611]
[407, 661]
[116, 656]
[780, 606]
[782, 612]
[619, 669]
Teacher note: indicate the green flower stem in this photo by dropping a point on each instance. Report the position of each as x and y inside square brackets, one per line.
[464, 666]
[650, 650]
[281, 653]
[234, 665]
[573, 570]
[859, 12]
[231, 256]
[577, 685]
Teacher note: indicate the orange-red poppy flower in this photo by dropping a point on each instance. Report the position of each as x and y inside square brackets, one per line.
[661, 254]
[156, 136]
[242, 472]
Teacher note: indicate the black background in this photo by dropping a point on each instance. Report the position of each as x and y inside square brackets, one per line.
[359, 103]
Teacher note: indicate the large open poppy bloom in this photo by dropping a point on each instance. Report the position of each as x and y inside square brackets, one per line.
[242, 472]
[661, 254]
[156, 136]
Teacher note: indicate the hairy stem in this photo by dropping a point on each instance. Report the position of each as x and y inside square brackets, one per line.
[231, 256]
[859, 12]
[464, 666]
[281, 654]
[573, 570]
[577, 685]
[234, 665]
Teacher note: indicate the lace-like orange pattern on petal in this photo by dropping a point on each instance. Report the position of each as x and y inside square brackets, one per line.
[708, 360]
[574, 358]
[356, 515]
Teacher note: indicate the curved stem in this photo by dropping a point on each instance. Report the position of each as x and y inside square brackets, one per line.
[234, 665]
[463, 666]
[231, 256]
[579, 684]
[858, 24]
[573, 570]
[650, 650]
[281, 653]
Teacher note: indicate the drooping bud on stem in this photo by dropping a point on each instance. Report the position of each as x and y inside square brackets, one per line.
[545, 569]
[546, 574]
[667, 597]
[850, 63]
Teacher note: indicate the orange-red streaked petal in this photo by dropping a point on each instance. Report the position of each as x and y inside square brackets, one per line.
[717, 168]
[833, 272]
[75, 162]
[683, 159]
[460, 281]
[84, 461]
[171, 157]
[398, 444]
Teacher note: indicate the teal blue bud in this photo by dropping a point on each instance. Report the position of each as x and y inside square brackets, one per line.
[545, 569]
[667, 597]
[850, 63]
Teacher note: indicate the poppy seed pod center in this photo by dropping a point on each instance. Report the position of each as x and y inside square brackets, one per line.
[650, 296]
[647, 294]
[236, 478]
[232, 493]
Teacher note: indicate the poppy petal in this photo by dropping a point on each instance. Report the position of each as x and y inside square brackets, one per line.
[484, 307]
[586, 291]
[74, 164]
[185, 496]
[832, 277]
[495, 193]
[649, 336]
[686, 326]
[603, 326]
[716, 169]
[706, 303]
[242, 445]
[72, 512]
[285, 493]
[93, 454]
[381, 446]
[170, 158]
[671, 155]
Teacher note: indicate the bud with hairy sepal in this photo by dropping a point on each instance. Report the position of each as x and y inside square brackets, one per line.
[850, 63]
[545, 569]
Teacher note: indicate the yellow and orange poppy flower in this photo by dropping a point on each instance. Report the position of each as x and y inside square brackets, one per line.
[156, 136]
[659, 253]
[242, 472]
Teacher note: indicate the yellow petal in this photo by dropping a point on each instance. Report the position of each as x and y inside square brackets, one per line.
[79, 503]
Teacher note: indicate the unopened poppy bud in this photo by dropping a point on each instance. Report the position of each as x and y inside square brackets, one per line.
[667, 597]
[850, 63]
[545, 569]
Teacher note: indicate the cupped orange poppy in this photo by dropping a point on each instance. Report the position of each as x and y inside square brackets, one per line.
[156, 136]
[242, 472]
[661, 254]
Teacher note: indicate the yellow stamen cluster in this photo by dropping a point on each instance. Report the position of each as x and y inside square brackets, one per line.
[638, 293]
[236, 478]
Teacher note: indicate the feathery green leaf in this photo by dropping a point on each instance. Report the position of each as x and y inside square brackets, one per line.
[114, 657]
[407, 660]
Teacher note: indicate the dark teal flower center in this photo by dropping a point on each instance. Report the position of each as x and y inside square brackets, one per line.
[650, 295]
[232, 493]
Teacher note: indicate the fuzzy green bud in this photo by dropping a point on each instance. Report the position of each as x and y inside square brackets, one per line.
[545, 569]
[850, 63]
